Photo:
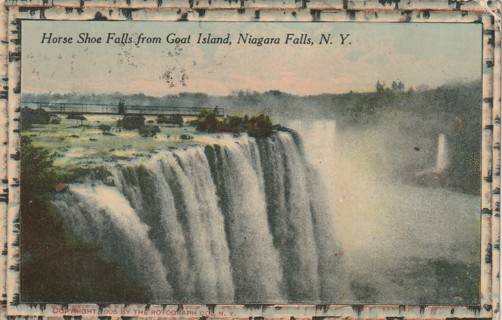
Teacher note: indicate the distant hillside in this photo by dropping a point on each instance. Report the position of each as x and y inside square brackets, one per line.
[352, 106]
[408, 120]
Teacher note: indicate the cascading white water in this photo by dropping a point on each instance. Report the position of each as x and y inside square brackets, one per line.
[320, 154]
[290, 216]
[242, 220]
[204, 227]
[320, 151]
[442, 160]
[255, 262]
[174, 194]
[103, 216]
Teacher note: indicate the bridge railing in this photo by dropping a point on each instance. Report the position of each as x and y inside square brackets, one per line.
[91, 108]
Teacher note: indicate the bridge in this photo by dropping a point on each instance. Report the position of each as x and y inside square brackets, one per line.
[119, 109]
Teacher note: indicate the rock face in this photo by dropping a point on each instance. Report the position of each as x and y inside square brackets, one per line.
[186, 137]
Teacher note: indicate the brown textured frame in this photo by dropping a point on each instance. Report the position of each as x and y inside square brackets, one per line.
[12, 12]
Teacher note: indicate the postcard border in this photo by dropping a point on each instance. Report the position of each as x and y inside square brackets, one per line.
[452, 11]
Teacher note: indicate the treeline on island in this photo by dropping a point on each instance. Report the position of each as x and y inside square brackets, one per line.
[412, 118]
[256, 126]
[356, 105]
[207, 121]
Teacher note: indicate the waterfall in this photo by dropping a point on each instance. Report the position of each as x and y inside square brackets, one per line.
[174, 195]
[320, 155]
[443, 160]
[290, 216]
[102, 215]
[240, 220]
[237, 175]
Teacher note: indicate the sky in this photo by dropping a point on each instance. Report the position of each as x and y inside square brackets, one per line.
[417, 54]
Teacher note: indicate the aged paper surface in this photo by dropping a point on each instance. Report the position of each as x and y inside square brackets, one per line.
[247, 159]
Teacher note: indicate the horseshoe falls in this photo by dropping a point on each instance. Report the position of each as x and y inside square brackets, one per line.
[233, 220]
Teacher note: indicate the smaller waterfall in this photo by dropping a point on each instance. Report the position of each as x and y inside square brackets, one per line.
[443, 160]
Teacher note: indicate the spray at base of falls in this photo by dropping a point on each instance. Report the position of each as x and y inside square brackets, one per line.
[241, 220]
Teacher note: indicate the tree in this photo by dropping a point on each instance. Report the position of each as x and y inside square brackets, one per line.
[122, 109]
[37, 175]
[256, 126]
[380, 87]
[207, 121]
[394, 86]
[57, 264]
[259, 126]
[149, 130]
[397, 86]
[132, 122]
[234, 124]
[175, 119]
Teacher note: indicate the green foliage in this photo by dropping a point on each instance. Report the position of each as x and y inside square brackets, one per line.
[81, 174]
[132, 122]
[380, 87]
[104, 127]
[207, 121]
[76, 116]
[175, 119]
[256, 126]
[57, 265]
[29, 117]
[397, 85]
[148, 130]
[236, 124]
[122, 109]
[259, 126]
[37, 170]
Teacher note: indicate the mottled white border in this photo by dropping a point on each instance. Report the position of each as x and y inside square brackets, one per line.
[452, 11]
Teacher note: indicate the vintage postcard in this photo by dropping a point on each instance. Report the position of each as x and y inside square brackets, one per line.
[250, 159]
